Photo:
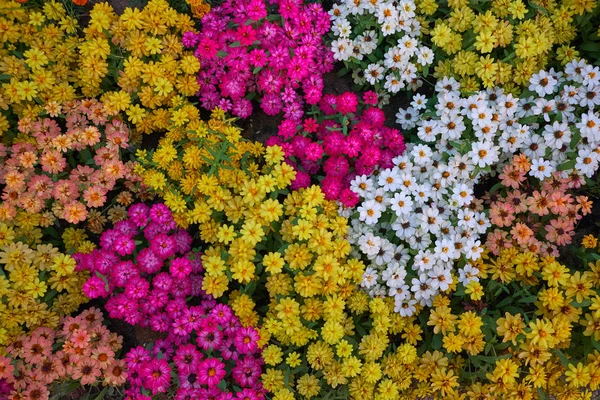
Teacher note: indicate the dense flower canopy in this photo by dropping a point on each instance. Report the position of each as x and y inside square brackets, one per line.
[417, 220]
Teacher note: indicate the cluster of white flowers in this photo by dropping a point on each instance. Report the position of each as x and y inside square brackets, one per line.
[378, 40]
[557, 125]
[414, 222]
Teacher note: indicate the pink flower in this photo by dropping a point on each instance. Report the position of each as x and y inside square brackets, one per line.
[156, 375]
[207, 48]
[347, 103]
[246, 339]
[180, 267]
[211, 371]
[95, 287]
[163, 246]
[370, 98]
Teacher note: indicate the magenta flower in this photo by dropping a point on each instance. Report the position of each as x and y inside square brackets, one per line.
[246, 340]
[211, 371]
[95, 287]
[156, 375]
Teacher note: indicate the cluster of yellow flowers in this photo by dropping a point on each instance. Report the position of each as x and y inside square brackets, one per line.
[37, 59]
[38, 284]
[135, 61]
[142, 51]
[501, 42]
[539, 333]
[208, 175]
[329, 340]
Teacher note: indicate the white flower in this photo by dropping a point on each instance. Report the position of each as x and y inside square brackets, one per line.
[589, 126]
[591, 75]
[586, 162]
[405, 308]
[402, 204]
[400, 256]
[544, 107]
[423, 261]
[342, 49]
[407, 118]
[389, 179]
[369, 244]
[541, 168]
[370, 211]
[542, 83]
[403, 228]
[557, 135]
[430, 219]
[389, 27]
[367, 41]
[473, 249]
[369, 278]
[394, 58]
[421, 193]
[589, 97]
[468, 274]
[445, 250]
[393, 84]
[446, 85]
[574, 70]
[385, 253]
[407, 7]
[424, 55]
[399, 293]
[441, 278]
[484, 153]
[374, 73]
[362, 185]
[386, 12]
[421, 287]
[409, 182]
[421, 154]
[394, 276]
[341, 27]
[338, 11]
[452, 126]
[356, 7]
[419, 102]
[534, 146]
[462, 194]
[428, 130]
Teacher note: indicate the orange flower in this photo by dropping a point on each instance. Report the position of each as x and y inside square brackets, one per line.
[75, 212]
[80, 2]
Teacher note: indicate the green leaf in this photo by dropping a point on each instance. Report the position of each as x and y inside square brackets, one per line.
[235, 44]
[436, 342]
[567, 165]
[563, 359]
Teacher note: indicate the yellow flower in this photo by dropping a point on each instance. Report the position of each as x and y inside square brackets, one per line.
[474, 290]
[444, 381]
[308, 386]
[272, 355]
[273, 262]
[135, 114]
[506, 371]
[510, 326]
[293, 359]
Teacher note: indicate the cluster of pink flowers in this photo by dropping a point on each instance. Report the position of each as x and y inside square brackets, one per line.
[532, 216]
[342, 137]
[82, 350]
[52, 172]
[145, 267]
[244, 51]
[219, 350]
